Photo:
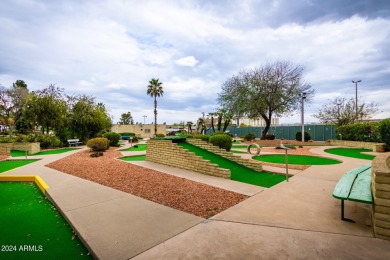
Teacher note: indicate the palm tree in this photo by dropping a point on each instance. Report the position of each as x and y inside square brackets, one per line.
[155, 90]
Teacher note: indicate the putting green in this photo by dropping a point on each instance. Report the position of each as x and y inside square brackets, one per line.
[134, 158]
[239, 146]
[238, 172]
[351, 152]
[32, 228]
[141, 147]
[12, 164]
[295, 159]
[17, 153]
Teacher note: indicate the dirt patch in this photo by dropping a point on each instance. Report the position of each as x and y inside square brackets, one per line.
[189, 196]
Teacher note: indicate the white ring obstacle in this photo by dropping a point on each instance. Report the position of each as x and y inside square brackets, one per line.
[257, 149]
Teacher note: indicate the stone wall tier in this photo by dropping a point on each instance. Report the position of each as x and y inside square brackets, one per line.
[376, 147]
[32, 148]
[251, 164]
[168, 153]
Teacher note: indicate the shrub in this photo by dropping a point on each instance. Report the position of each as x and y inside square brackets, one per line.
[98, 144]
[54, 141]
[112, 137]
[269, 137]
[6, 140]
[249, 137]
[222, 141]
[202, 137]
[160, 135]
[298, 136]
[364, 132]
[384, 132]
[44, 140]
[31, 138]
[218, 132]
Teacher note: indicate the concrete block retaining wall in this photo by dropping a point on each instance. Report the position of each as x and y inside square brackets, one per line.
[381, 192]
[376, 147]
[168, 153]
[254, 165]
[32, 148]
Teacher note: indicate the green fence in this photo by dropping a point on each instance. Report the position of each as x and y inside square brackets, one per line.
[317, 132]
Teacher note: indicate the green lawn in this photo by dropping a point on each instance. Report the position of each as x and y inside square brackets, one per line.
[351, 152]
[12, 164]
[134, 158]
[237, 142]
[17, 153]
[295, 159]
[238, 172]
[141, 147]
[32, 228]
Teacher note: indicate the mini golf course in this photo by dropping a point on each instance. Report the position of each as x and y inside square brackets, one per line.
[17, 153]
[135, 148]
[32, 228]
[12, 164]
[238, 172]
[351, 152]
[295, 159]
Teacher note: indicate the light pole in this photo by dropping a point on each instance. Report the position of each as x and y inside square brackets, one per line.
[144, 116]
[303, 97]
[356, 100]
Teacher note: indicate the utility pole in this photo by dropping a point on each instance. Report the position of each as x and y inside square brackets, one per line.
[303, 96]
[356, 100]
[144, 116]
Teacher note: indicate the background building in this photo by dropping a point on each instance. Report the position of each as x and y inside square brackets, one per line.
[139, 130]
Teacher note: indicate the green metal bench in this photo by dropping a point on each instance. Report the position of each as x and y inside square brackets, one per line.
[355, 185]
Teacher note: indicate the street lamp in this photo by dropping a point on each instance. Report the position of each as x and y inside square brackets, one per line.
[356, 101]
[303, 97]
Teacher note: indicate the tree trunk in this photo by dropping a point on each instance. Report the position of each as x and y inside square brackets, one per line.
[155, 116]
[227, 123]
[266, 128]
[219, 123]
[212, 124]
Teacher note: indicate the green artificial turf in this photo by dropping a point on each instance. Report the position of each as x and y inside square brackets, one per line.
[141, 147]
[351, 152]
[239, 146]
[32, 228]
[17, 153]
[12, 164]
[134, 158]
[238, 172]
[295, 159]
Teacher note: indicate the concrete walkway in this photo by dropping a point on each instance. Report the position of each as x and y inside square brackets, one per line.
[298, 219]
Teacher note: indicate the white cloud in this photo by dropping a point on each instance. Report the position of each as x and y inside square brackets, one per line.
[188, 61]
[111, 49]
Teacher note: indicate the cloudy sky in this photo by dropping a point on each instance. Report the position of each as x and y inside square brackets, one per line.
[111, 49]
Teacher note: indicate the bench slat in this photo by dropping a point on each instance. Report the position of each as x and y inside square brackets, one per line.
[361, 190]
[343, 187]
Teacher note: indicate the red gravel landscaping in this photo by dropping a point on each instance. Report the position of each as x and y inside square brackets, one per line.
[189, 196]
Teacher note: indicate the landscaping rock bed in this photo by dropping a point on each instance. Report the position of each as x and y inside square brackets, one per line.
[192, 197]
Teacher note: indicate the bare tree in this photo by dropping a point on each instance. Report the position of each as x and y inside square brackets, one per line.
[341, 111]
